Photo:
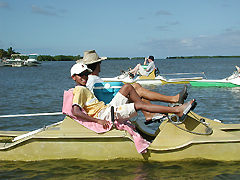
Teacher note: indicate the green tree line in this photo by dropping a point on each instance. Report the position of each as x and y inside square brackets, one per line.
[125, 58]
[10, 51]
[7, 54]
[199, 57]
[58, 58]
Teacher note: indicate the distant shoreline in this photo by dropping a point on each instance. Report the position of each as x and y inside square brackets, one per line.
[10, 52]
[200, 57]
[74, 58]
[174, 57]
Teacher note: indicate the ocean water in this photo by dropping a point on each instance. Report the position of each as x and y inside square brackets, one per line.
[27, 90]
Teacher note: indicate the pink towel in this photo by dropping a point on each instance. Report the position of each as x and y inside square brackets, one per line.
[67, 109]
[140, 143]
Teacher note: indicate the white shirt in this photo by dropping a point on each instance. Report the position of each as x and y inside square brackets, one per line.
[150, 67]
[92, 79]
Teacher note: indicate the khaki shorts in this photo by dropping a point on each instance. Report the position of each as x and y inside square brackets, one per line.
[142, 71]
[122, 110]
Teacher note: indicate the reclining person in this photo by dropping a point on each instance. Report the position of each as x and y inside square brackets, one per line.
[98, 112]
[144, 72]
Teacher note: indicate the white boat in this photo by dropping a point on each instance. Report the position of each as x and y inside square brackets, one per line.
[153, 78]
[14, 62]
[231, 81]
[17, 62]
[32, 60]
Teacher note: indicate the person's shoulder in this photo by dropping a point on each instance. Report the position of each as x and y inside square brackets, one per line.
[94, 79]
[99, 79]
[79, 88]
[152, 63]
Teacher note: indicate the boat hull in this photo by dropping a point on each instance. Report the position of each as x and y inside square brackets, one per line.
[215, 83]
[212, 84]
[231, 81]
[70, 140]
[159, 80]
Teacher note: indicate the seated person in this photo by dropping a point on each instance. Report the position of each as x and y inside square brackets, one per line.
[98, 112]
[93, 62]
[144, 72]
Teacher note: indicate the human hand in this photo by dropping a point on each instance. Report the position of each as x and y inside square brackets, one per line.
[106, 124]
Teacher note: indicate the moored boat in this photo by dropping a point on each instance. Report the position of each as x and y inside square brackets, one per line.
[15, 61]
[32, 60]
[196, 137]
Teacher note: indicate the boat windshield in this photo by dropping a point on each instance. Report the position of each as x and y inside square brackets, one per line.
[32, 56]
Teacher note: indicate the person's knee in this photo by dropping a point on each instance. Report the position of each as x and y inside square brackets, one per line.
[125, 88]
[127, 85]
[136, 85]
[138, 89]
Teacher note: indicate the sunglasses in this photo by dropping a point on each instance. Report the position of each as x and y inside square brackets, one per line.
[84, 73]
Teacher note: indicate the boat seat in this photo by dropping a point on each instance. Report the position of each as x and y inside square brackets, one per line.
[105, 91]
[150, 76]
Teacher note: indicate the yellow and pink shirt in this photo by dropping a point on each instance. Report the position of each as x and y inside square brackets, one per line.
[85, 99]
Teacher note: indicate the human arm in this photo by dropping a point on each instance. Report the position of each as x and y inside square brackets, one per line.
[150, 67]
[145, 62]
[76, 110]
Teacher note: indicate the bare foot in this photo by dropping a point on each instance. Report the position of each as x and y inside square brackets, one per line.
[182, 95]
[183, 107]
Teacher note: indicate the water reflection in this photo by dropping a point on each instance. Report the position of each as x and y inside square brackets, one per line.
[119, 169]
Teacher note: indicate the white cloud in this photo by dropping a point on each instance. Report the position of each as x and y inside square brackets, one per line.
[227, 43]
[186, 42]
[47, 11]
[4, 5]
[163, 12]
[167, 27]
[162, 28]
[173, 23]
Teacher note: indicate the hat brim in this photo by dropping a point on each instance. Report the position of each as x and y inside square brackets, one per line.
[92, 62]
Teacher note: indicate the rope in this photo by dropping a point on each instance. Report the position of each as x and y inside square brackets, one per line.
[27, 115]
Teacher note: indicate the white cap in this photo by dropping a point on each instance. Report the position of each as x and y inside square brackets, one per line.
[78, 68]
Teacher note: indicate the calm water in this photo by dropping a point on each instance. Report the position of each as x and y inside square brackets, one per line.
[28, 90]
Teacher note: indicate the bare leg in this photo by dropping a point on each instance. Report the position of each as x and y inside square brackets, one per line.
[144, 94]
[128, 91]
[148, 116]
[154, 96]
[134, 71]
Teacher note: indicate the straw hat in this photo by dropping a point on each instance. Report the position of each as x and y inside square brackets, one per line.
[90, 57]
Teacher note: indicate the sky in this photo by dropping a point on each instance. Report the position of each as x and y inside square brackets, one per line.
[121, 28]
